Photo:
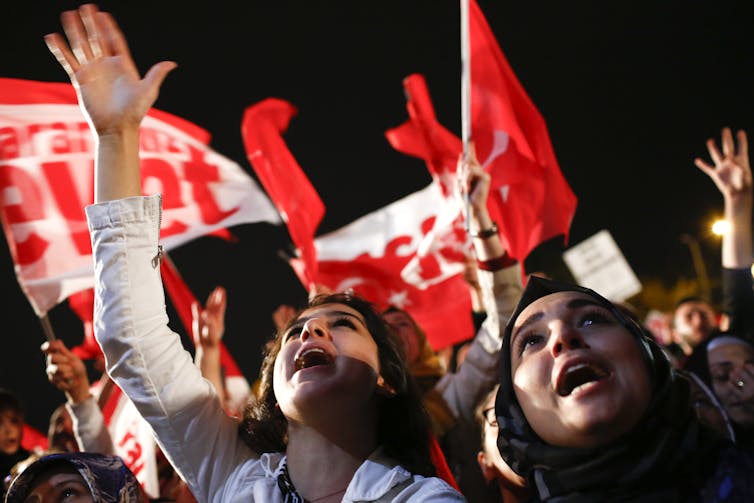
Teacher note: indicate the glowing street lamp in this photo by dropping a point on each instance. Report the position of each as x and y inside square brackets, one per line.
[720, 227]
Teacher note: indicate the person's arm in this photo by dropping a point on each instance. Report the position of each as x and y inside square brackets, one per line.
[67, 372]
[208, 327]
[731, 173]
[144, 357]
[500, 279]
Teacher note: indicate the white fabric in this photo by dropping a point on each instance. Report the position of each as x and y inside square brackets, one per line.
[146, 359]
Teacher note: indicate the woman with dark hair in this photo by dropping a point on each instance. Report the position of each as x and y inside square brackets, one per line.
[589, 409]
[326, 430]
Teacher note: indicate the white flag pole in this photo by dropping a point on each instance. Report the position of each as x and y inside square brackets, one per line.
[465, 96]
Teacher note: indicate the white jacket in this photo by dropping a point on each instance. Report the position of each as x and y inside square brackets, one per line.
[146, 359]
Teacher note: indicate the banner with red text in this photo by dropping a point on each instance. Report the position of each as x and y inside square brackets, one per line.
[133, 439]
[46, 180]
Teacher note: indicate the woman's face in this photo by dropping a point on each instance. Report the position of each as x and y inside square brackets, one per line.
[327, 349]
[578, 373]
[402, 325]
[61, 483]
[492, 464]
[732, 370]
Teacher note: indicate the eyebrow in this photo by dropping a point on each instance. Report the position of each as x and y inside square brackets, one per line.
[329, 314]
[573, 304]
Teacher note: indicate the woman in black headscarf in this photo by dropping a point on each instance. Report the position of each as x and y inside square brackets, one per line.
[589, 409]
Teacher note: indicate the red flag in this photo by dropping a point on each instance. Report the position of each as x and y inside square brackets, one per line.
[33, 440]
[82, 303]
[46, 180]
[423, 136]
[236, 384]
[377, 257]
[530, 199]
[282, 177]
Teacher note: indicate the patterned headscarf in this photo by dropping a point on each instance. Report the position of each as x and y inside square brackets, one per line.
[107, 477]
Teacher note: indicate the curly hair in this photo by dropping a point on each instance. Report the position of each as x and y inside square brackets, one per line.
[402, 428]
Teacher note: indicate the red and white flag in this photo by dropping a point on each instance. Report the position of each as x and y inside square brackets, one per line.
[46, 180]
[408, 254]
[377, 257]
[133, 439]
[529, 198]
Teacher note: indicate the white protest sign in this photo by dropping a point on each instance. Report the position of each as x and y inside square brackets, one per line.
[598, 263]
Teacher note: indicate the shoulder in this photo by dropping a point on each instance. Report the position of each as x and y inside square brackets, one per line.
[732, 478]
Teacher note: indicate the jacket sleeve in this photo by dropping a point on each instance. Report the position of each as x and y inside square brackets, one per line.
[89, 427]
[738, 301]
[146, 359]
[479, 372]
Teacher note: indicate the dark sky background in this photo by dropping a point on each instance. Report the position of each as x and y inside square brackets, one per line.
[630, 92]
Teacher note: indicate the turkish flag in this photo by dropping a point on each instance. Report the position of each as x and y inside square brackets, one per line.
[377, 257]
[282, 177]
[529, 198]
[47, 178]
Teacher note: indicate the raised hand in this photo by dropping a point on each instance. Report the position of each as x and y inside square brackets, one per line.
[98, 62]
[66, 371]
[731, 171]
[209, 322]
[731, 174]
[476, 183]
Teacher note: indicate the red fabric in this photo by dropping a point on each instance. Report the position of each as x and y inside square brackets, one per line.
[441, 465]
[282, 177]
[182, 299]
[33, 439]
[423, 136]
[529, 197]
[82, 303]
[405, 255]
[47, 178]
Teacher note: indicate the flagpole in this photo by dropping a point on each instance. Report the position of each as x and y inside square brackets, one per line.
[465, 97]
[47, 328]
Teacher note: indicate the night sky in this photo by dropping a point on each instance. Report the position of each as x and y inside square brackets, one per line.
[630, 92]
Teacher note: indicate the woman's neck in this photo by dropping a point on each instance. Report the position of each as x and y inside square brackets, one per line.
[321, 464]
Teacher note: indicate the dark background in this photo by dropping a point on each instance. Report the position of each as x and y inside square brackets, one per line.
[630, 92]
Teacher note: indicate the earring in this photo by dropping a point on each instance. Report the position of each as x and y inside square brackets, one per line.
[383, 388]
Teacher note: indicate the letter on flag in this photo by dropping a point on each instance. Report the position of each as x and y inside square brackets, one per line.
[46, 180]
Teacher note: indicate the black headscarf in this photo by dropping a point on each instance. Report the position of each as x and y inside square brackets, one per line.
[666, 444]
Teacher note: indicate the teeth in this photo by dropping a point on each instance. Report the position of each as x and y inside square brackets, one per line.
[304, 357]
[579, 375]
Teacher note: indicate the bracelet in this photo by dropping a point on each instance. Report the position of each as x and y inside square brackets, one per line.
[485, 233]
[496, 264]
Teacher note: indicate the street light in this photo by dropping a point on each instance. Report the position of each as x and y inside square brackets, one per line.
[720, 227]
[699, 267]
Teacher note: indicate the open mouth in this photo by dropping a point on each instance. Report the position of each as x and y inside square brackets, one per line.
[579, 375]
[313, 357]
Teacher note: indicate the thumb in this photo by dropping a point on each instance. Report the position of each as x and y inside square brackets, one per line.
[156, 75]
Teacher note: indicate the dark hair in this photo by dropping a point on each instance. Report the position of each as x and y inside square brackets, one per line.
[8, 401]
[403, 427]
[690, 298]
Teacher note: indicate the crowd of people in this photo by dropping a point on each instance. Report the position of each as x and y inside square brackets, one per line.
[561, 395]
